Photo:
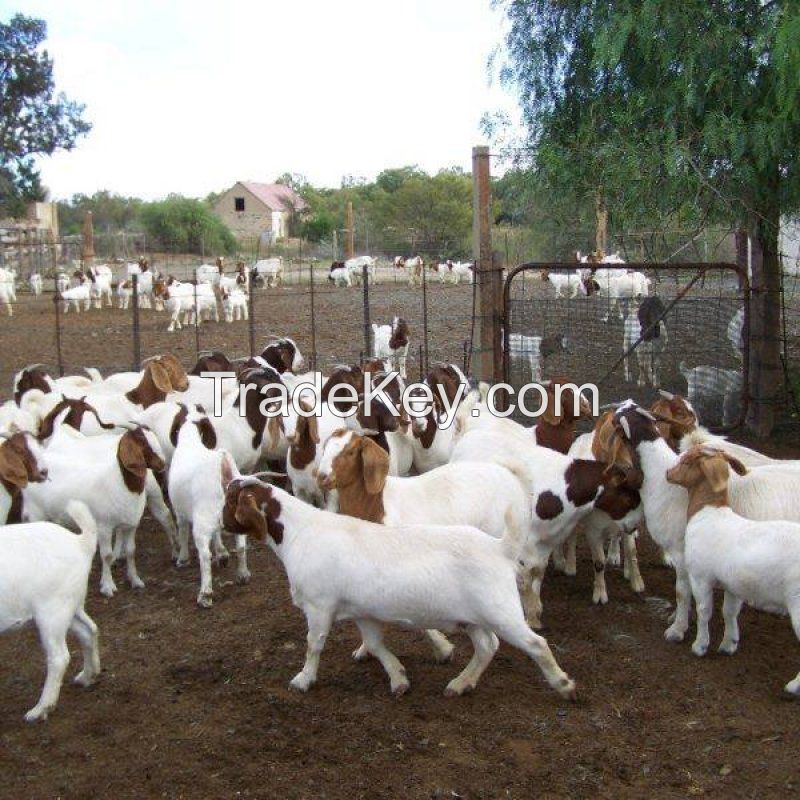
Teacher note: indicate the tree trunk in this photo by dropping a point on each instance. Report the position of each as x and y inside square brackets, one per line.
[766, 375]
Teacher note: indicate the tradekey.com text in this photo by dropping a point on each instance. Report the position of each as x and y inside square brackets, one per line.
[417, 399]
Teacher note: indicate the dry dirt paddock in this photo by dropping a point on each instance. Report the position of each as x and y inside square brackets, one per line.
[194, 704]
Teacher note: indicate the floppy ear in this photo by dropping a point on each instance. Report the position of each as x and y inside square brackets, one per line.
[160, 377]
[716, 471]
[250, 516]
[375, 463]
[131, 457]
[550, 416]
[12, 468]
[738, 467]
[274, 429]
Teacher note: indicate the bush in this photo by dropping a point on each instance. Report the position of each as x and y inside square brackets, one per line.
[182, 225]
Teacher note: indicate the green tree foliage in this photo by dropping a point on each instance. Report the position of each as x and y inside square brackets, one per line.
[183, 225]
[667, 108]
[33, 120]
[110, 212]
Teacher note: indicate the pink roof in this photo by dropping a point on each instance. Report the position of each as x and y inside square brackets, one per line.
[275, 196]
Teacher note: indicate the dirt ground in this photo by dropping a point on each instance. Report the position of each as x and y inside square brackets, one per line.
[195, 704]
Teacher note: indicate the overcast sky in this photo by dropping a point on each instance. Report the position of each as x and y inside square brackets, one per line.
[190, 97]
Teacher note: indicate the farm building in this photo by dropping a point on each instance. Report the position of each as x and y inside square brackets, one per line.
[258, 209]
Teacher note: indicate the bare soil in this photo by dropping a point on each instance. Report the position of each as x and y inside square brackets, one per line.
[195, 704]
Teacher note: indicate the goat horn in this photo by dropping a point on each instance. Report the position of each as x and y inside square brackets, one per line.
[268, 474]
[666, 395]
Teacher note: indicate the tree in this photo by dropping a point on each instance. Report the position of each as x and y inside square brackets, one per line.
[664, 108]
[183, 225]
[32, 120]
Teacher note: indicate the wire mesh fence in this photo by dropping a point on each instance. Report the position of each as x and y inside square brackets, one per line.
[331, 324]
[681, 329]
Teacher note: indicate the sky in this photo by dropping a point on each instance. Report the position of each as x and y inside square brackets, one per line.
[190, 97]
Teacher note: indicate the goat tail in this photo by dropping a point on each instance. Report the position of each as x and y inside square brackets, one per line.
[94, 374]
[82, 517]
[684, 370]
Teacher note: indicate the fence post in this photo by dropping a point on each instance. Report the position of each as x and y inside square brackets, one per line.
[421, 366]
[350, 240]
[488, 273]
[313, 316]
[365, 293]
[196, 320]
[137, 340]
[57, 303]
[425, 314]
[251, 317]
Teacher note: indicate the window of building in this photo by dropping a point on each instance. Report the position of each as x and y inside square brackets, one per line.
[238, 203]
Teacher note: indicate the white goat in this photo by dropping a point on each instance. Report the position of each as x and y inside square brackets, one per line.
[35, 282]
[234, 304]
[269, 270]
[77, 295]
[755, 562]
[44, 570]
[390, 342]
[563, 282]
[197, 480]
[425, 575]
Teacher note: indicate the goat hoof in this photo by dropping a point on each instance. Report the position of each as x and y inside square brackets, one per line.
[673, 634]
[567, 690]
[136, 583]
[600, 599]
[300, 682]
[205, 600]
[792, 688]
[728, 648]
[243, 578]
[455, 690]
[82, 679]
[181, 562]
[399, 689]
[637, 585]
[36, 714]
[108, 591]
[445, 655]
[699, 649]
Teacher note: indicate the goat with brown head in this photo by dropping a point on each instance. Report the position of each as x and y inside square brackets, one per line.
[135, 456]
[555, 428]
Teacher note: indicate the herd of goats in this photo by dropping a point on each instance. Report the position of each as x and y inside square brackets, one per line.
[418, 508]
[197, 300]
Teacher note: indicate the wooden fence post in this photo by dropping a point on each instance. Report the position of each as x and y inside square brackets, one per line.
[349, 246]
[488, 274]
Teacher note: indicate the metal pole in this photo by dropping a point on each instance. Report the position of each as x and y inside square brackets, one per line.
[313, 317]
[425, 314]
[421, 367]
[365, 294]
[350, 248]
[251, 318]
[137, 340]
[57, 303]
[196, 320]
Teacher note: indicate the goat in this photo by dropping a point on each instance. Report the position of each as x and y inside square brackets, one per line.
[756, 562]
[390, 342]
[77, 295]
[414, 268]
[21, 463]
[108, 473]
[44, 571]
[355, 268]
[283, 355]
[339, 275]
[425, 575]
[234, 304]
[269, 270]
[645, 322]
[714, 391]
[768, 492]
[535, 350]
[35, 282]
[616, 287]
[197, 480]
[563, 282]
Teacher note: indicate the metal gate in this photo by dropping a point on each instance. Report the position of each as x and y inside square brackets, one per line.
[573, 331]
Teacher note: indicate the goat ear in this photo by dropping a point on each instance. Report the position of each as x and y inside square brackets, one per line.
[12, 468]
[375, 463]
[250, 516]
[715, 470]
[738, 467]
[131, 457]
[274, 429]
[313, 429]
[160, 377]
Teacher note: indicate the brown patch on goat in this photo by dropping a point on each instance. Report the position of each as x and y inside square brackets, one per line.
[400, 334]
[584, 479]
[305, 440]
[74, 418]
[162, 375]
[676, 419]
[548, 505]
[557, 430]
[31, 378]
[257, 512]
[208, 436]
[135, 457]
[279, 355]
[213, 362]
[360, 472]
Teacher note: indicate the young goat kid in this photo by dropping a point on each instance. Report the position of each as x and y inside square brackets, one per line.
[757, 563]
